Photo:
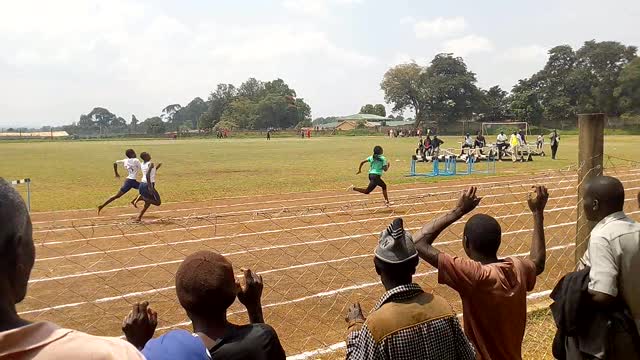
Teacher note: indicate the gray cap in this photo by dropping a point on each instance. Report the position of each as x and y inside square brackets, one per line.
[395, 245]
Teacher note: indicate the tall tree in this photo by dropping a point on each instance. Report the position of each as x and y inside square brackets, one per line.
[495, 104]
[218, 102]
[251, 89]
[628, 90]
[404, 86]
[377, 109]
[154, 126]
[525, 103]
[601, 64]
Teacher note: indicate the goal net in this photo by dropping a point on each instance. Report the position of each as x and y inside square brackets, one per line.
[494, 128]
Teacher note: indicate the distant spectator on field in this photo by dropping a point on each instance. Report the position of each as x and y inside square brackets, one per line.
[19, 338]
[540, 142]
[206, 288]
[435, 146]
[493, 290]
[501, 144]
[406, 323]
[523, 137]
[480, 141]
[467, 143]
[515, 144]
[554, 141]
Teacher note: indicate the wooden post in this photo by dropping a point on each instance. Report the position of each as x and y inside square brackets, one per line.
[590, 157]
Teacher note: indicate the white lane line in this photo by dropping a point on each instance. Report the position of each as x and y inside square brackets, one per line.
[273, 247]
[299, 266]
[480, 184]
[342, 345]
[263, 232]
[129, 268]
[295, 216]
[260, 211]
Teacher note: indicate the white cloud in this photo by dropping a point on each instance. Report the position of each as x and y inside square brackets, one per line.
[315, 7]
[439, 27]
[467, 45]
[534, 53]
[407, 20]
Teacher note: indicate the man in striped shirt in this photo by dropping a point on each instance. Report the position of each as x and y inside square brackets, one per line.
[406, 323]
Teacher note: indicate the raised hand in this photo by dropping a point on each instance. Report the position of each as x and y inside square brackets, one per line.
[250, 290]
[537, 199]
[140, 324]
[354, 313]
[468, 200]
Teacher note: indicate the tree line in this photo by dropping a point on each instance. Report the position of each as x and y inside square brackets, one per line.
[598, 77]
[252, 105]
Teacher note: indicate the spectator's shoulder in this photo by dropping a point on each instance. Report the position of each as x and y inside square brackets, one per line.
[82, 345]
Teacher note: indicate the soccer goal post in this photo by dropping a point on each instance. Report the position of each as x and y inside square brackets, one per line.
[494, 128]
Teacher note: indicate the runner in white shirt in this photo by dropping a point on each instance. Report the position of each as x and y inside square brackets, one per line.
[132, 165]
[148, 192]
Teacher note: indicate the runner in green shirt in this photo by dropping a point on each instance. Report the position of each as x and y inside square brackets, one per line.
[379, 165]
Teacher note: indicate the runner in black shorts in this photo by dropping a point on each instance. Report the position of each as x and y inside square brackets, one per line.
[379, 165]
[132, 165]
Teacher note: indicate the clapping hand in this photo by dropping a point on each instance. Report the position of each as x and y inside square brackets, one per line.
[354, 313]
[250, 291]
[140, 324]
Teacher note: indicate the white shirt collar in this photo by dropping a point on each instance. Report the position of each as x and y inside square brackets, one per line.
[609, 218]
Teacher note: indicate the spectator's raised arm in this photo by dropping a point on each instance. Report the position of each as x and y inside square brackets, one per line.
[250, 294]
[537, 202]
[425, 237]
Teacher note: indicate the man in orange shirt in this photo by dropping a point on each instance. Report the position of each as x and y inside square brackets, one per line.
[20, 339]
[493, 290]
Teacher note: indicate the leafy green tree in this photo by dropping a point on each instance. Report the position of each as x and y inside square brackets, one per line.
[377, 109]
[495, 105]
[404, 86]
[628, 90]
[218, 102]
[154, 126]
[252, 89]
[601, 64]
[188, 116]
[525, 103]
[444, 91]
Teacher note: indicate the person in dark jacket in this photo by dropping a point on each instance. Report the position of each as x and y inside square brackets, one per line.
[585, 330]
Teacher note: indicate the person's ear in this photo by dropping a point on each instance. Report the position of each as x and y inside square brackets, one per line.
[596, 205]
[465, 241]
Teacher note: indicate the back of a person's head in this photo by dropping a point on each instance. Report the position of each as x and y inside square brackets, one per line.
[205, 284]
[483, 235]
[603, 196]
[17, 252]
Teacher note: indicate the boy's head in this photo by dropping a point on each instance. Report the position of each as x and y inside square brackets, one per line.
[603, 196]
[145, 156]
[205, 284]
[130, 153]
[17, 251]
[482, 236]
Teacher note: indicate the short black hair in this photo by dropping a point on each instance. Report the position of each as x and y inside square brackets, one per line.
[484, 234]
[608, 190]
[397, 270]
[205, 284]
[14, 219]
[130, 153]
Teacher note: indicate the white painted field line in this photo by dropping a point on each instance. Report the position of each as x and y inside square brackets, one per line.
[324, 225]
[129, 268]
[271, 220]
[259, 211]
[295, 216]
[480, 184]
[342, 345]
[288, 268]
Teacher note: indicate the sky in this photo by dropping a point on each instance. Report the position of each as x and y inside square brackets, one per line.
[62, 58]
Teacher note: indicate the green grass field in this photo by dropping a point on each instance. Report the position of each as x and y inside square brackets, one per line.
[78, 174]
